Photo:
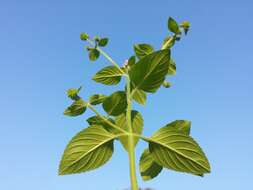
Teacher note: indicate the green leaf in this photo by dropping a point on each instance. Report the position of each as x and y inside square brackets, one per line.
[110, 75]
[140, 96]
[116, 103]
[172, 67]
[97, 99]
[94, 54]
[103, 42]
[96, 120]
[141, 50]
[77, 108]
[149, 73]
[168, 42]
[186, 26]
[182, 126]
[131, 61]
[84, 36]
[173, 26]
[177, 151]
[149, 169]
[137, 126]
[166, 84]
[73, 93]
[88, 150]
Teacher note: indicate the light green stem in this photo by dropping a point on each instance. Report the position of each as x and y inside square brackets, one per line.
[131, 146]
[106, 56]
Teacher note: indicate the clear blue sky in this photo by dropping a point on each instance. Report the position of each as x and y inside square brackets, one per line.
[41, 56]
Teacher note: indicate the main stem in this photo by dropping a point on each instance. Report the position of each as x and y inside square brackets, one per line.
[131, 147]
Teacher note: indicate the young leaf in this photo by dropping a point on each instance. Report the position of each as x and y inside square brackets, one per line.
[137, 126]
[116, 103]
[103, 42]
[84, 36]
[93, 54]
[88, 150]
[172, 67]
[166, 84]
[109, 75]
[141, 50]
[186, 26]
[168, 42]
[96, 120]
[173, 26]
[73, 93]
[177, 151]
[97, 99]
[149, 73]
[140, 96]
[77, 108]
[149, 169]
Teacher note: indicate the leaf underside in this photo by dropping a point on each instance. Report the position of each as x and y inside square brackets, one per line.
[110, 75]
[88, 150]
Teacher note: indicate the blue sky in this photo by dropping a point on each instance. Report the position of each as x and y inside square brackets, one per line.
[41, 56]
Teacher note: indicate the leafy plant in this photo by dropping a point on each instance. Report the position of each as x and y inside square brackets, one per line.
[145, 72]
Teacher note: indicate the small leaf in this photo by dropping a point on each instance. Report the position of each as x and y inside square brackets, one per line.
[116, 103]
[149, 73]
[97, 99]
[149, 169]
[103, 42]
[168, 42]
[131, 61]
[186, 26]
[177, 151]
[173, 26]
[182, 126]
[141, 50]
[94, 54]
[88, 150]
[166, 84]
[140, 96]
[77, 108]
[96, 120]
[96, 38]
[172, 67]
[110, 75]
[73, 93]
[137, 126]
[84, 36]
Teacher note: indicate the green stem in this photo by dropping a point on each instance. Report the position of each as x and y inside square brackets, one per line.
[106, 56]
[105, 119]
[131, 146]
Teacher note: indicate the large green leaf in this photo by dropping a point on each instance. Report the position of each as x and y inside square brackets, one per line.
[149, 169]
[149, 73]
[97, 99]
[140, 96]
[137, 126]
[116, 103]
[110, 75]
[88, 150]
[78, 107]
[177, 151]
[141, 50]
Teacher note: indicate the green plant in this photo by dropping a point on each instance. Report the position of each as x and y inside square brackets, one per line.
[145, 72]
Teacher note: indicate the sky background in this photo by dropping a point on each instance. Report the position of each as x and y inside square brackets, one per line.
[41, 56]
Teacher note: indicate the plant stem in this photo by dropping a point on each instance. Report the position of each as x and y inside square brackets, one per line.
[106, 56]
[131, 146]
